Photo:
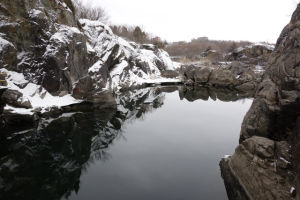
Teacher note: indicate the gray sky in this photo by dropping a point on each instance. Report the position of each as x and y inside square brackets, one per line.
[174, 20]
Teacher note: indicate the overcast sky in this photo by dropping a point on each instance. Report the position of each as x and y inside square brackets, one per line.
[175, 20]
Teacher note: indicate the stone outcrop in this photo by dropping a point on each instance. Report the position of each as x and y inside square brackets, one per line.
[15, 98]
[265, 165]
[260, 168]
[256, 54]
[276, 106]
[45, 42]
[38, 36]
[230, 75]
[241, 69]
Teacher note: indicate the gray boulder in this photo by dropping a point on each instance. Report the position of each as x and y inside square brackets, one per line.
[15, 98]
[254, 167]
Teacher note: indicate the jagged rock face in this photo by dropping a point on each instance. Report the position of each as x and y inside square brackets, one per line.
[257, 54]
[262, 166]
[267, 167]
[231, 75]
[43, 40]
[121, 64]
[243, 69]
[276, 106]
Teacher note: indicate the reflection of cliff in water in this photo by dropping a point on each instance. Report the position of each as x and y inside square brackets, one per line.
[46, 161]
[2, 105]
[204, 93]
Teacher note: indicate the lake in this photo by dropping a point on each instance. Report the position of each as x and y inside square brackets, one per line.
[157, 143]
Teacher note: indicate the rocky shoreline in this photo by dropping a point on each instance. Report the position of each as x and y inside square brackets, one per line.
[58, 60]
[241, 69]
[57, 64]
[266, 163]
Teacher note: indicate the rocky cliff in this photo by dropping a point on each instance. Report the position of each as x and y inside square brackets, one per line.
[266, 164]
[242, 69]
[47, 51]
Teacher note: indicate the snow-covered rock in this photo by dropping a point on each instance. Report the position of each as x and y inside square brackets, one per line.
[256, 53]
[36, 95]
[127, 64]
[53, 52]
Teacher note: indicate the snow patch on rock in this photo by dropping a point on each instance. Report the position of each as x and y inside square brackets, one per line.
[4, 44]
[137, 64]
[35, 94]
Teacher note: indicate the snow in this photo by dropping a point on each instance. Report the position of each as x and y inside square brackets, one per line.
[89, 47]
[292, 190]
[116, 73]
[226, 156]
[159, 80]
[119, 68]
[259, 69]
[4, 43]
[23, 57]
[34, 13]
[284, 160]
[164, 56]
[96, 67]
[268, 46]
[63, 36]
[36, 94]
[239, 49]
[46, 122]
[176, 65]
[22, 111]
[137, 64]
[65, 33]
[102, 41]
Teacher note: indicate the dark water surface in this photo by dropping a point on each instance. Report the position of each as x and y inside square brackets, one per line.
[159, 143]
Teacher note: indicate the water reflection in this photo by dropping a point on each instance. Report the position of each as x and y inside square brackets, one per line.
[47, 161]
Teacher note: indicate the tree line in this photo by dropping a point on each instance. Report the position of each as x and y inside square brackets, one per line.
[199, 45]
[136, 34]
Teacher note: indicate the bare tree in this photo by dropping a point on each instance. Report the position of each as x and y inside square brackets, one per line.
[92, 13]
[196, 46]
